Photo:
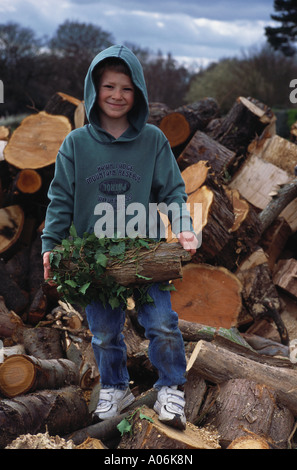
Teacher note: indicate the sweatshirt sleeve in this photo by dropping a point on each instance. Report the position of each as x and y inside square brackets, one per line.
[169, 190]
[59, 214]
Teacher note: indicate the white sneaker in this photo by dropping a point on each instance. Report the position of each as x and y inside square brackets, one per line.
[170, 407]
[112, 401]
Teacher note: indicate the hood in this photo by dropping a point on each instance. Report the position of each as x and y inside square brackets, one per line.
[139, 115]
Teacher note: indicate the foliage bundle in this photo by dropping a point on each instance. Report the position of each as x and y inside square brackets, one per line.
[78, 268]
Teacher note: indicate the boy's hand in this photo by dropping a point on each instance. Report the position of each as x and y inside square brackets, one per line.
[47, 267]
[188, 241]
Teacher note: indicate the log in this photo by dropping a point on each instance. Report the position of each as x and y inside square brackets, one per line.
[35, 143]
[274, 240]
[11, 226]
[157, 112]
[149, 433]
[43, 343]
[260, 295]
[285, 276]
[65, 105]
[28, 181]
[4, 133]
[11, 325]
[243, 407]
[56, 411]
[207, 294]
[203, 148]
[246, 120]
[249, 442]
[276, 150]
[258, 182]
[20, 374]
[180, 124]
[161, 263]
[219, 365]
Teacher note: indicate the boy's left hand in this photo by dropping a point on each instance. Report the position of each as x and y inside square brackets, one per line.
[188, 241]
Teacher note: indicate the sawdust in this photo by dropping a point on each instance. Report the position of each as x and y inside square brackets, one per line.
[40, 441]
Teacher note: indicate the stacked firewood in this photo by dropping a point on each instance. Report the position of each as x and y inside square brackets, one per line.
[241, 375]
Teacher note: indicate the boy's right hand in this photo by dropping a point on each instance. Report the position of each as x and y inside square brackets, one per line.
[47, 267]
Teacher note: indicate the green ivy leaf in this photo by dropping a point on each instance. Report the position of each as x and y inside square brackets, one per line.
[143, 416]
[114, 302]
[71, 283]
[117, 249]
[124, 426]
[72, 231]
[83, 289]
[101, 259]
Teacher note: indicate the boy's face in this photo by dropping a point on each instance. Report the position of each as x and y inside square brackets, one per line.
[115, 95]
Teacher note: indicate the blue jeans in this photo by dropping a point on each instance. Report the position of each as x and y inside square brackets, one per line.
[166, 346]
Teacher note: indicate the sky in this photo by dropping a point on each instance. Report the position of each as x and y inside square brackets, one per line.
[194, 32]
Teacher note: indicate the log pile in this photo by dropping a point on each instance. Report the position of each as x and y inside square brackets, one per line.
[237, 299]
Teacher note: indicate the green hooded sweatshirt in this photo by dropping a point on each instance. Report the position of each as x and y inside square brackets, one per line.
[99, 178]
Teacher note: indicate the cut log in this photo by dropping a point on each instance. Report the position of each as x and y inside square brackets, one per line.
[219, 365]
[20, 374]
[260, 294]
[43, 343]
[246, 120]
[157, 112]
[209, 295]
[274, 240]
[11, 226]
[202, 147]
[249, 442]
[285, 276]
[11, 325]
[28, 181]
[149, 433]
[64, 105]
[243, 407]
[35, 143]
[4, 133]
[180, 124]
[258, 181]
[56, 411]
[276, 150]
[161, 263]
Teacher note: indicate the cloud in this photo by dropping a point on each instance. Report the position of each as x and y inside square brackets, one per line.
[194, 30]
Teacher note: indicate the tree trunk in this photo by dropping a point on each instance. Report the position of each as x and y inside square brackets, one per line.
[57, 411]
[157, 112]
[207, 294]
[28, 181]
[219, 365]
[35, 143]
[20, 374]
[150, 433]
[246, 120]
[243, 407]
[180, 124]
[203, 148]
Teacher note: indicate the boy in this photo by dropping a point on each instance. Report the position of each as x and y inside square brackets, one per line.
[119, 155]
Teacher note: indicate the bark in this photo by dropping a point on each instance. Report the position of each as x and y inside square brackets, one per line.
[152, 434]
[15, 299]
[11, 326]
[20, 374]
[63, 104]
[157, 112]
[218, 365]
[57, 411]
[246, 120]
[285, 276]
[243, 407]
[43, 343]
[203, 148]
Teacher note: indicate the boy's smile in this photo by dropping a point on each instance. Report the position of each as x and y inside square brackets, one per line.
[115, 98]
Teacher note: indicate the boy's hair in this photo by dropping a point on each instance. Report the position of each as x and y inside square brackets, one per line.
[111, 63]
